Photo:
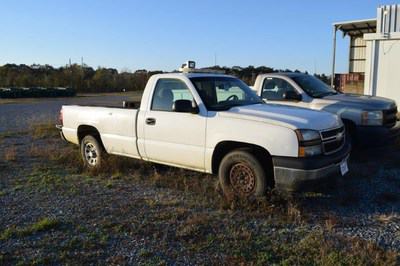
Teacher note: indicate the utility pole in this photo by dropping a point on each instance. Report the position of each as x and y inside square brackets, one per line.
[335, 28]
[70, 78]
[82, 73]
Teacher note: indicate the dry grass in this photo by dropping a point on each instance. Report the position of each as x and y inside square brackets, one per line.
[331, 222]
[44, 130]
[388, 218]
[321, 248]
[195, 226]
[10, 154]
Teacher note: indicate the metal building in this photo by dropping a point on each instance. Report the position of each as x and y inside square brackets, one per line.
[354, 80]
[374, 53]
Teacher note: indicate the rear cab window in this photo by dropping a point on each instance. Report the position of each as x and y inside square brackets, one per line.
[274, 89]
[167, 91]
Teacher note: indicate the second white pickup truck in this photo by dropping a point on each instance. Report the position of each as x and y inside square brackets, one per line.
[215, 124]
[368, 120]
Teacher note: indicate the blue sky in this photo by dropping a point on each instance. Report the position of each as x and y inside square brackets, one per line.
[160, 35]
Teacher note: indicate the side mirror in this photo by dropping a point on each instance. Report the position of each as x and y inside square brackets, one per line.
[185, 106]
[292, 95]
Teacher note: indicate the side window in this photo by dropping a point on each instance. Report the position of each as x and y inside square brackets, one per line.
[167, 91]
[274, 89]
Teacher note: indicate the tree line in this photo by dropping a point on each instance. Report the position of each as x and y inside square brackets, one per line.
[83, 78]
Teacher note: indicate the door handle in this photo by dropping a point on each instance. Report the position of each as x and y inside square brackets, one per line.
[150, 121]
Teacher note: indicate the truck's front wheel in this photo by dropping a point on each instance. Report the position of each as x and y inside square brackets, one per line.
[242, 175]
[92, 152]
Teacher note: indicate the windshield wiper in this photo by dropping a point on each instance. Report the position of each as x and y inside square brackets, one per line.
[320, 95]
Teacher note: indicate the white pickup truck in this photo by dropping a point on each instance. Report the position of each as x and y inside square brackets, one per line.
[368, 119]
[215, 124]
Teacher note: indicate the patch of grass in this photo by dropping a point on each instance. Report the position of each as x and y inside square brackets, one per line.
[194, 226]
[241, 246]
[44, 130]
[5, 135]
[44, 179]
[10, 154]
[388, 218]
[145, 253]
[42, 225]
[321, 248]
[59, 153]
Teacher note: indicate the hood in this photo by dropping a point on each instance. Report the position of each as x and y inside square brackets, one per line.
[287, 116]
[364, 102]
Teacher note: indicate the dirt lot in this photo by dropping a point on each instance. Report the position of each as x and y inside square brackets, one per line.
[54, 212]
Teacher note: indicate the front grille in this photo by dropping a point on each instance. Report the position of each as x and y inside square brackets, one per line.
[390, 117]
[333, 140]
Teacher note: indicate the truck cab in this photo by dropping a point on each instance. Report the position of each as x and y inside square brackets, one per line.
[367, 119]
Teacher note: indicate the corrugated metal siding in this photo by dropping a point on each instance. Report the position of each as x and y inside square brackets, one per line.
[388, 19]
[357, 55]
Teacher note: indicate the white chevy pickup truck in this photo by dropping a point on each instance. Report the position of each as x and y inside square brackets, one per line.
[215, 124]
[368, 119]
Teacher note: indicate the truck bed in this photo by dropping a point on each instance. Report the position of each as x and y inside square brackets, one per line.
[128, 105]
[115, 125]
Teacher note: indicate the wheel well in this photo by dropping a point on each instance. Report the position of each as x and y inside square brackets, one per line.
[85, 130]
[223, 148]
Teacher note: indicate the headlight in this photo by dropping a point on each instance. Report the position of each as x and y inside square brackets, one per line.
[372, 118]
[307, 135]
[309, 142]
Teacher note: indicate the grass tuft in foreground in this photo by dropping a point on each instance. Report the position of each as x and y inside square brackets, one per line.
[42, 225]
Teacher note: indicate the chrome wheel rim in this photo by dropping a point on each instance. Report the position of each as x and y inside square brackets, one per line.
[243, 179]
[91, 154]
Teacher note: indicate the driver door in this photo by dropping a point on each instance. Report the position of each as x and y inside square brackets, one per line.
[171, 137]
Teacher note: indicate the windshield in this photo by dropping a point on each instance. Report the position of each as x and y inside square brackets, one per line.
[223, 93]
[313, 86]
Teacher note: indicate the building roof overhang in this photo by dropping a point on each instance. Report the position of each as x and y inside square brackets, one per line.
[356, 27]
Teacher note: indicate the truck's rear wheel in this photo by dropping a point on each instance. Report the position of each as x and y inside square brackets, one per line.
[242, 175]
[92, 152]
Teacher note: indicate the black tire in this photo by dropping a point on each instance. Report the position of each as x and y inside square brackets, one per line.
[92, 152]
[242, 175]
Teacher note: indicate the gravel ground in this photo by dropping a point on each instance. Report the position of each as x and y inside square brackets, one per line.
[146, 214]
